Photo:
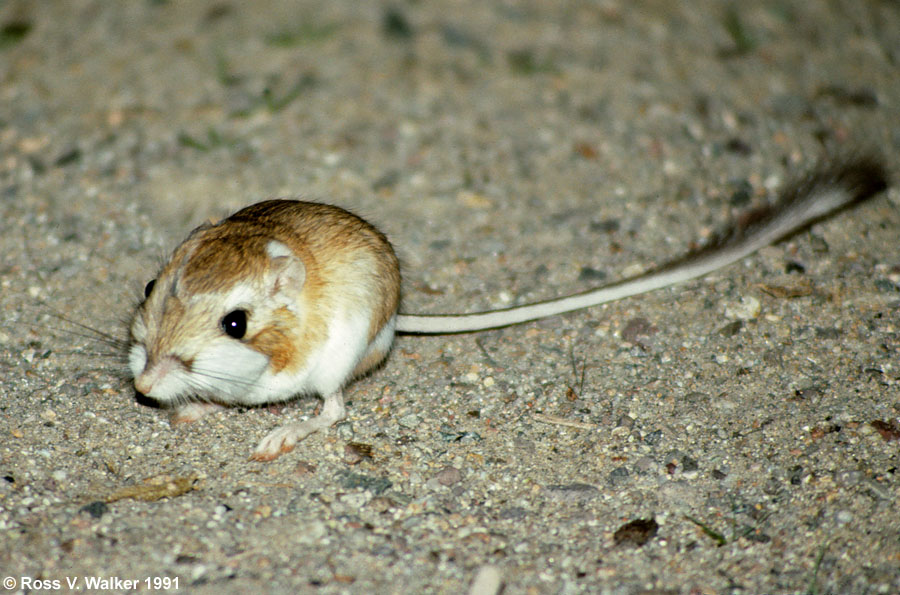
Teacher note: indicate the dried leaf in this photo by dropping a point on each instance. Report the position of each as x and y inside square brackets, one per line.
[155, 488]
[795, 290]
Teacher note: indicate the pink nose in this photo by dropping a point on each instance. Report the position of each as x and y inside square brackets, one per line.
[143, 384]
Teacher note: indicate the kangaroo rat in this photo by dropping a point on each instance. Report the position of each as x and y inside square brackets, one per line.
[285, 298]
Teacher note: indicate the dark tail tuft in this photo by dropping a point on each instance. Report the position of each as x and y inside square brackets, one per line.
[862, 176]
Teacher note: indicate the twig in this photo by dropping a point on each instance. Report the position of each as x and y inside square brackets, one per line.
[561, 421]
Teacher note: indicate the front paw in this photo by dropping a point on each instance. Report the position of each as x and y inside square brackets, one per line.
[279, 441]
[284, 438]
[190, 412]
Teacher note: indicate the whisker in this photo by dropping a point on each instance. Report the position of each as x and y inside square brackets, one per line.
[119, 375]
[82, 331]
[92, 333]
[117, 343]
[198, 390]
[56, 313]
[225, 377]
[102, 354]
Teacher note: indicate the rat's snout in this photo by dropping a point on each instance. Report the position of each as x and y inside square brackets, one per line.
[157, 379]
[143, 384]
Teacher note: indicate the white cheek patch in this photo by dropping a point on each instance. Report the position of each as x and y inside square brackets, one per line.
[230, 372]
[175, 384]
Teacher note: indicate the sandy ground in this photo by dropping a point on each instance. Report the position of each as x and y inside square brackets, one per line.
[738, 434]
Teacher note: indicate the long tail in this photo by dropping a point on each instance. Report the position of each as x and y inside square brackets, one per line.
[824, 192]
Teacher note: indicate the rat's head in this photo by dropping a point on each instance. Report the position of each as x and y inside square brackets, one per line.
[220, 321]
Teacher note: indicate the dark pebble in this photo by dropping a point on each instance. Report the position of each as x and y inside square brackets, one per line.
[738, 147]
[96, 509]
[636, 533]
[731, 329]
[14, 31]
[794, 267]
[859, 97]
[653, 438]
[605, 226]
[743, 192]
[68, 157]
[591, 274]
[618, 476]
[349, 480]
[395, 25]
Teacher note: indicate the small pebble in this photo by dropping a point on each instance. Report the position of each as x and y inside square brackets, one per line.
[95, 509]
[381, 504]
[410, 421]
[618, 476]
[448, 476]
[636, 533]
[349, 480]
[653, 438]
[637, 330]
[304, 468]
[488, 581]
[355, 452]
[747, 308]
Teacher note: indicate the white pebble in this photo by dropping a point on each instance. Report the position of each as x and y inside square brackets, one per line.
[747, 308]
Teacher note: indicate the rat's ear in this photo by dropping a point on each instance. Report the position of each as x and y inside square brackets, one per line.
[285, 269]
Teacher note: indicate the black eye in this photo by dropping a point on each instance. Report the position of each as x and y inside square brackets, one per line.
[149, 287]
[235, 324]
